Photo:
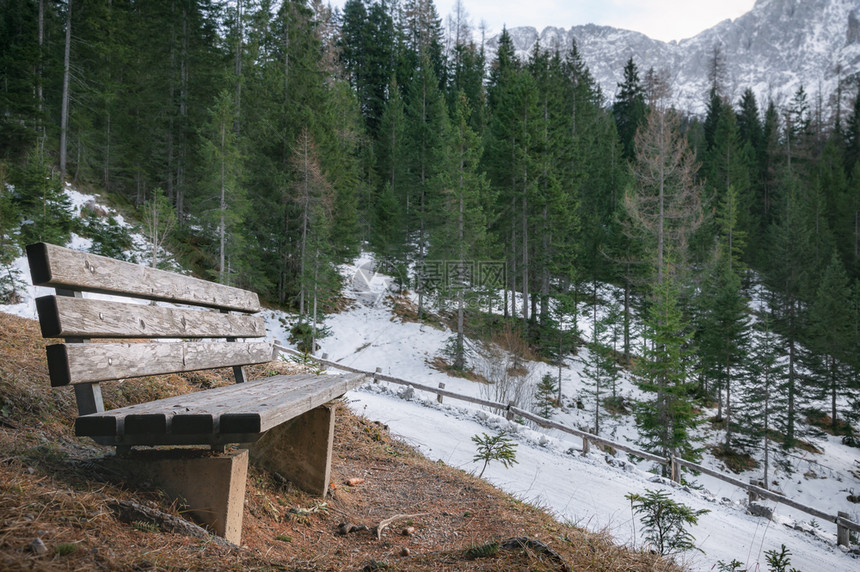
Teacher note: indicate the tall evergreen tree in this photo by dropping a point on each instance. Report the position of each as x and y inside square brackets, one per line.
[722, 335]
[788, 277]
[426, 125]
[667, 417]
[629, 108]
[830, 333]
[461, 238]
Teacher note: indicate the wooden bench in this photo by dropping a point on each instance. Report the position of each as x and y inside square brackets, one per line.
[188, 324]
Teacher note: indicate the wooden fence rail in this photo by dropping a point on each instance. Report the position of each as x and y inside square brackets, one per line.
[843, 524]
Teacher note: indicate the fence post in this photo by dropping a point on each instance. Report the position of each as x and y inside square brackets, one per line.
[752, 495]
[843, 536]
[375, 378]
[439, 395]
[509, 415]
[586, 446]
[676, 470]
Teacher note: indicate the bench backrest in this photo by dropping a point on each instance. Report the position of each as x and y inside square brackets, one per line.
[192, 313]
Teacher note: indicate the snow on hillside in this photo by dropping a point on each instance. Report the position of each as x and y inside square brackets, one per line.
[589, 490]
[585, 490]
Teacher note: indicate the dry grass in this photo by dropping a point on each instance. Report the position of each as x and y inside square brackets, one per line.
[50, 488]
[735, 461]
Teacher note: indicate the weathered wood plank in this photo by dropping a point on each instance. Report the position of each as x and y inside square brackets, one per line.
[64, 317]
[59, 267]
[219, 400]
[284, 406]
[85, 363]
[256, 407]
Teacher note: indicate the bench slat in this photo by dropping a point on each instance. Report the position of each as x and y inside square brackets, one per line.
[87, 363]
[276, 409]
[59, 267]
[191, 418]
[219, 400]
[66, 317]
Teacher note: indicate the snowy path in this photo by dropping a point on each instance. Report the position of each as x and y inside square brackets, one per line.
[590, 493]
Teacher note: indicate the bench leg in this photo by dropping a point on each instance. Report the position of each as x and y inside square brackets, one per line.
[299, 450]
[212, 487]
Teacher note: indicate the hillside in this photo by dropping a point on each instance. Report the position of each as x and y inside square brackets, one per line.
[377, 328]
[63, 491]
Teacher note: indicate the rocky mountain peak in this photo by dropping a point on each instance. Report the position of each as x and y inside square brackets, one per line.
[773, 49]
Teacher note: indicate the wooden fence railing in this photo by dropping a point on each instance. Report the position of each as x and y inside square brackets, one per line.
[843, 524]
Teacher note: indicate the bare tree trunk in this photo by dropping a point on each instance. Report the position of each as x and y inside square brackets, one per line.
[237, 64]
[306, 200]
[40, 79]
[64, 114]
[222, 227]
[422, 206]
[525, 230]
[460, 361]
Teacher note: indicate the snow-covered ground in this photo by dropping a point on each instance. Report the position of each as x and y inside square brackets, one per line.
[585, 490]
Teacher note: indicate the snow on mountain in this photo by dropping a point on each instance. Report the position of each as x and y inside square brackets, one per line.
[587, 490]
[774, 49]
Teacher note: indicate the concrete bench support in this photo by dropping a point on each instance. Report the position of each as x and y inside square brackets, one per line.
[211, 486]
[300, 450]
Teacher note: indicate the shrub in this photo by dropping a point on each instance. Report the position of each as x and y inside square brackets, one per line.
[665, 521]
[498, 447]
[779, 561]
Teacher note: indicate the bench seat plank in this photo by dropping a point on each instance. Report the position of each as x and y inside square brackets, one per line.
[233, 413]
[59, 267]
[89, 363]
[66, 317]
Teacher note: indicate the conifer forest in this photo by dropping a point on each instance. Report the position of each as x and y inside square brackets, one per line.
[265, 143]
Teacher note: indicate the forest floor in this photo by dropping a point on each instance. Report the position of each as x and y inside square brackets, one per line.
[58, 500]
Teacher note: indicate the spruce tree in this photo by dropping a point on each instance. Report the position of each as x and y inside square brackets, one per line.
[722, 335]
[761, 404]
[41, 202]
[426, 126]
[460, 239]
[789, 278]
[223, 172]
[667, 416]
[599, 367]
[629, 108]
[830, 334]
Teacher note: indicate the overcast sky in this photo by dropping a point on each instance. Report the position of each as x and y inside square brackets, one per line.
[659, 19]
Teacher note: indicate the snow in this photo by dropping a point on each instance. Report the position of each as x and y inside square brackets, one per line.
[585, 490]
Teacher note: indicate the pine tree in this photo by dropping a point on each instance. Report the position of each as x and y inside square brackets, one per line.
[223, 166]
[728, 164]
[789, 279]
[389, 230]
[461, 239]
[426, 126]
[39, 198]
[722, 334]
[761, 405]
[545, 396]
[367, 54]
[629, 108]
[666, 418]
[599, 367]
[830, 333]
